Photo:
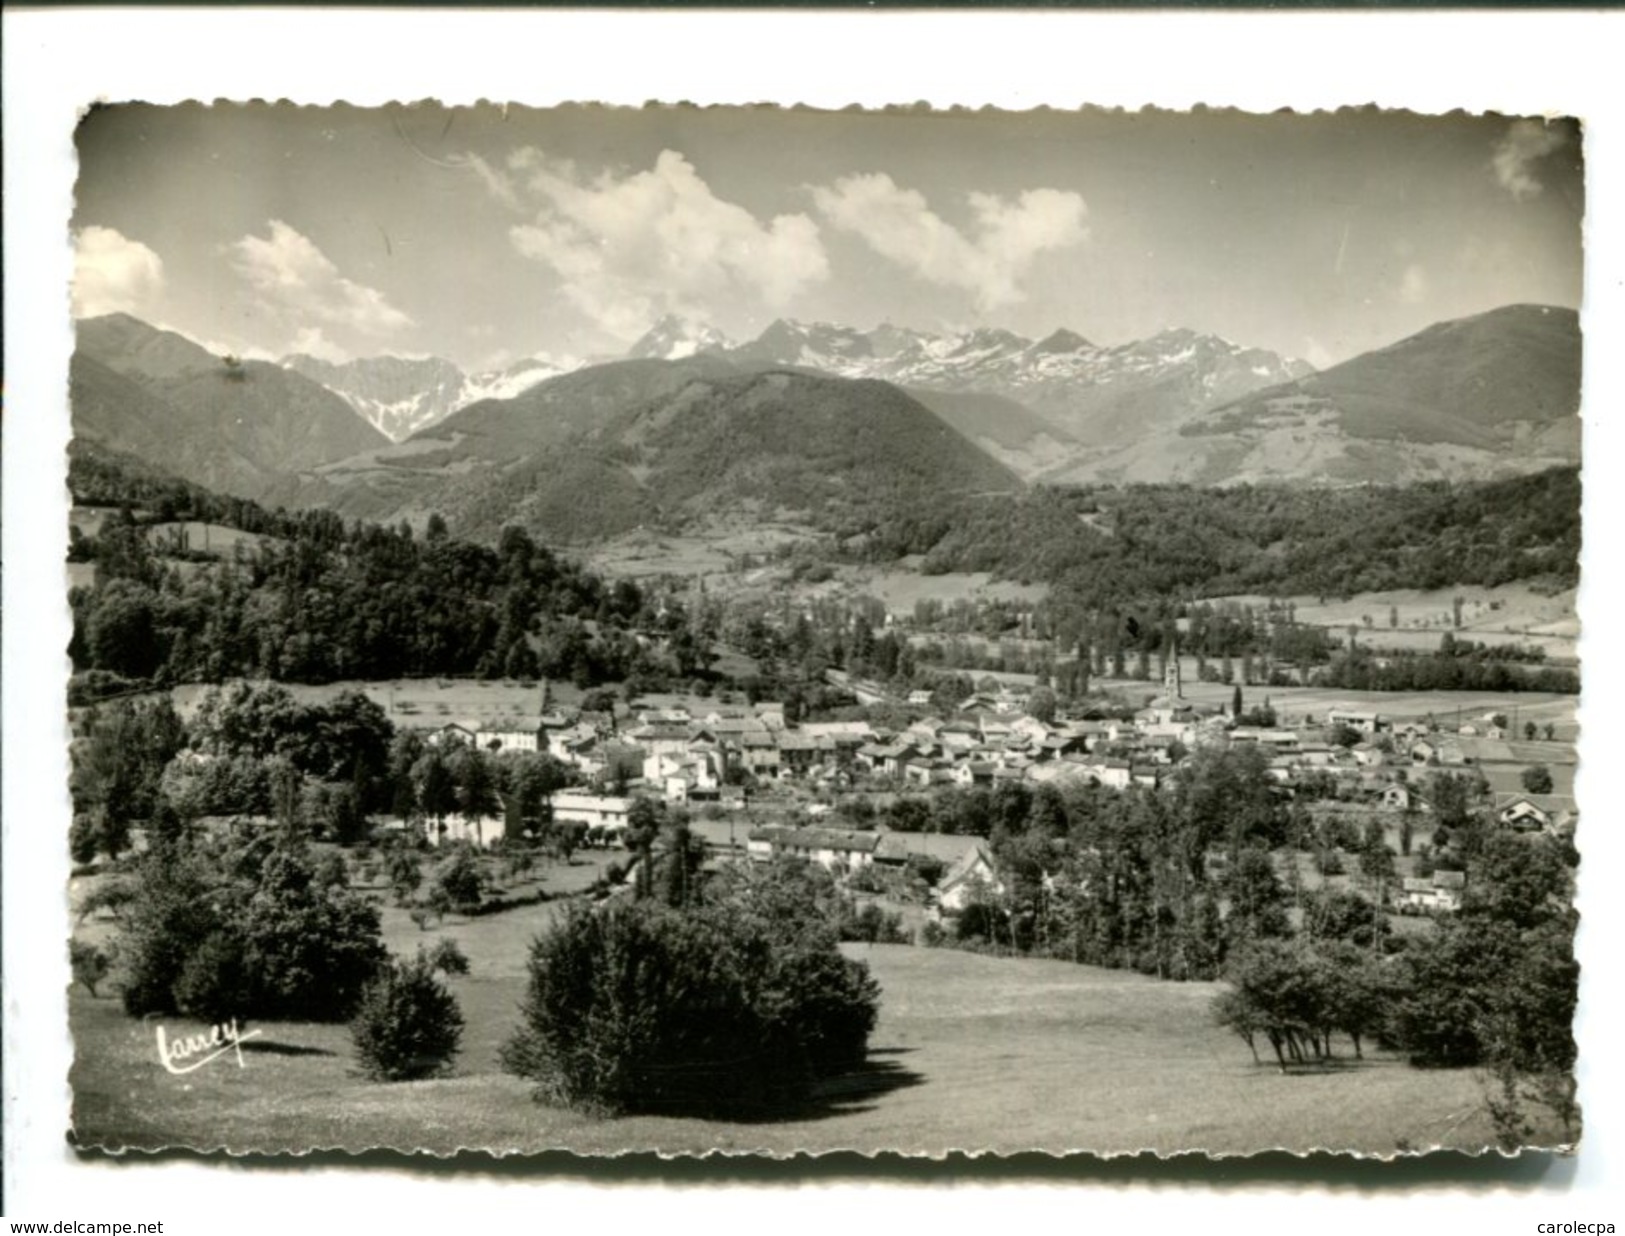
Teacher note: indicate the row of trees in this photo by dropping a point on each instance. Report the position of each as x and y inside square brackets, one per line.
[327, 768]
[1484, 669]
[1495, 985]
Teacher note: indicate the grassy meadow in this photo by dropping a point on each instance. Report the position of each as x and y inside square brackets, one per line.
[971, 1052]
[1506, 614]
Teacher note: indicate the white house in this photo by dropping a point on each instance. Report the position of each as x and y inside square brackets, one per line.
[594, 810]
[1536, 812]
[506, 740]
[1440, 891]
[971, 875]
[830, 848]
[1355, 719]
[457, 827]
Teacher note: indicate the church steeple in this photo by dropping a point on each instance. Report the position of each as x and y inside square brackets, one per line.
[1172, 686]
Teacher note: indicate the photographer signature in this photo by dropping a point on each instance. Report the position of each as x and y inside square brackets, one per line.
[193, 1051]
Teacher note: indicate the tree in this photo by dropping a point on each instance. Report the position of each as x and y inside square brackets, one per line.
[1041, 705]
[1498, 983]
[90, 964]
[403, 872]
[437, 788]
[245, 932]
[680, 863]
[459, 882]
[408, 1024]
[1345, 736]
[448, 957]
[1283, 990]
[122, 632]
[1521, 881]
[118, 769]
[1257, 900]
[643, 823]
[1344, 915]
[476, 791]
[1537, 779]
[723, 1008]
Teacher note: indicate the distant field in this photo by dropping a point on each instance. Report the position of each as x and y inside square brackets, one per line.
[970, 1053]
[426, 703]
[211, 538]
[1509, 614]
[713, 552]
[901, 590]
[1308, 705]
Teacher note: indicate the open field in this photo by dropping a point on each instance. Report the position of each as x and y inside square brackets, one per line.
[210, 538]
[711, 552]
[425, 703]
[900, 590]
[1308, 705]
[1507, 614]
[971, 1052]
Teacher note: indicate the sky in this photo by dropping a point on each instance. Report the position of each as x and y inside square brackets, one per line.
[488, 235]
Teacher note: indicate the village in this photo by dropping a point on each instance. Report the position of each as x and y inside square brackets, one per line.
[755, 786]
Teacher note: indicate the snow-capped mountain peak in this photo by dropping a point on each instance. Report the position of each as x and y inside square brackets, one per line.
[675, 337]
[399, 396]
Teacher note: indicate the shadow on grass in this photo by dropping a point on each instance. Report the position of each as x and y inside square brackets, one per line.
[844, 1094]
[851, 1092]
[268, 1048]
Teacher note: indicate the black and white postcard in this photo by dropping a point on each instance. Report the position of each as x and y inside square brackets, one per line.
[685, 627]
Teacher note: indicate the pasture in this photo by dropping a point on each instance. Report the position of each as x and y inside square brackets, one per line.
[206, 538]
[713, 551]
[1506, 614]
[1309, 705]
[901, 590]
[426, 703]
[971, 1052]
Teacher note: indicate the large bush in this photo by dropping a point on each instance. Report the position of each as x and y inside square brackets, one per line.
[635, 1007]
[458, 883]
[408, 1025]
[246, 931]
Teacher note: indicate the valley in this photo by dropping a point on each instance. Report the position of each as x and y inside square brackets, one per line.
[684, 629]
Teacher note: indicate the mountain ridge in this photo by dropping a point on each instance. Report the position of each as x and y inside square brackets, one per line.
[230, 424]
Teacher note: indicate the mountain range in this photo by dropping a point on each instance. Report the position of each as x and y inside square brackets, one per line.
[399, 396]
[1496, 394]
[695, 426]
[1081, 393]
[231, 425]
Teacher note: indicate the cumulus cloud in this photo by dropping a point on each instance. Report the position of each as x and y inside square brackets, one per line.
[311, 342]
[495, 180]
[1525, 143]
[1009, 236]
[297, 280]
[628, 247]
[114, 274]
[1413, 284]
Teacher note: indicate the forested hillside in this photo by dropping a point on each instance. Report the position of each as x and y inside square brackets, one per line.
[845, 456]
[1109, 543]
[312, 599]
